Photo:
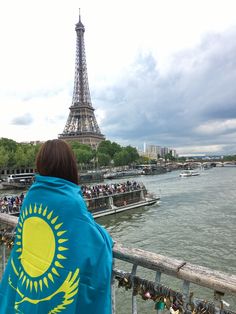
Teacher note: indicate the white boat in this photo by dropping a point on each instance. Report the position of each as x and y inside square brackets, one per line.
[18, 181]
[189, 173]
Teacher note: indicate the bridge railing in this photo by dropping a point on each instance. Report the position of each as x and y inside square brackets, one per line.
[165, 299]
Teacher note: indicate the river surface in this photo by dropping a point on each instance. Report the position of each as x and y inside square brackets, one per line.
[195, 222]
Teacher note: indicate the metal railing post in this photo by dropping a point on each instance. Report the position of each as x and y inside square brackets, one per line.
[134, 299]
[157, 281]
[113, 290]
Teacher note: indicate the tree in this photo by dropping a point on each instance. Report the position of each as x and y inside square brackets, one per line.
[143, 160]
[181, 159]
[115, 148]
[8, 144]
[169, 156]
[83, 153]
[30, 154]
[20, 158]
[77, 145]
[133, 154]
[4, 157]
[121, 158]
[108, 148]
[103, 159]
[83, 156]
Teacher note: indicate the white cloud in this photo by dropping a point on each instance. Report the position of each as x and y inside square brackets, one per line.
[49, 114]
[37, 67]
[217, 127]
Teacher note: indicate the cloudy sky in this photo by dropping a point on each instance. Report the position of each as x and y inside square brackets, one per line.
[161, 72]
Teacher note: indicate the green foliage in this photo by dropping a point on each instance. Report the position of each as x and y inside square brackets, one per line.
[181, 159]
[83, 156]
[143, 160]
[8, 144]
[4, 157]
[83, 153]
[120, 155]
[153, 161]
[133, 154]
[169, 157]
[76, 145]
[126, 156]
[13, 154]
[19, 155]
[30, 155]
[229, 158]
[115, 148]
[121, 158]
[109, 148]
[103, 159]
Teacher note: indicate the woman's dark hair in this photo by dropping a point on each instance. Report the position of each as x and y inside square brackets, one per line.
[56, 159]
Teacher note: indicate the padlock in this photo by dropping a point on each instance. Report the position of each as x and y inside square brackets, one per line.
[160, 305]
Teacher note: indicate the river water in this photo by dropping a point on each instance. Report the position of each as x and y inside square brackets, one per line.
[195, 222]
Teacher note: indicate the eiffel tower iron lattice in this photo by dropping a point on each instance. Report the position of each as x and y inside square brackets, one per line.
[81, 124]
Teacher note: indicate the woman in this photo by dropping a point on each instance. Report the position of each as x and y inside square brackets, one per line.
[62, 259]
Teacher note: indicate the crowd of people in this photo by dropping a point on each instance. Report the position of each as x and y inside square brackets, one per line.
[100, 190]
[11, 204]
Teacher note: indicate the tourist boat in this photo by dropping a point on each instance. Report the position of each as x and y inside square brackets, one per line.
[114, 198]
[15, 185]
[24, 180]
[121, 174]
[152, 169]
[19, 181]
[105, 203]
[189, 173]
[119, 202]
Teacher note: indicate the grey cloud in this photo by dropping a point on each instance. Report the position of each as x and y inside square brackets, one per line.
[26, 119]
[199, 89]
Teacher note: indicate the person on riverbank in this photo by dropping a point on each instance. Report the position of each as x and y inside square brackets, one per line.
[62, 259]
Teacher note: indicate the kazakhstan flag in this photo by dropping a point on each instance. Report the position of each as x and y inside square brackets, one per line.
[62, 259]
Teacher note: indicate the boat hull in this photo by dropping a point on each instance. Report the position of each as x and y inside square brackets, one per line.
[110, 211]
[116, 210]
[13, 186]
[189, 174]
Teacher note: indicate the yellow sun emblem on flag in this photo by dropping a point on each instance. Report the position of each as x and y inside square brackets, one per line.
[41, 246]
[39, 237]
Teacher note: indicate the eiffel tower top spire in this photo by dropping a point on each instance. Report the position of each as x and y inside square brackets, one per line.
[79, 24]
[81, 124]
[81, 94]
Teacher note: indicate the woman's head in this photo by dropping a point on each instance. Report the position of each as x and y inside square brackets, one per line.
[56, 159]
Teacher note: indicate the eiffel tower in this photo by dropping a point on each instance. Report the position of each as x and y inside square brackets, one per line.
[81, 124]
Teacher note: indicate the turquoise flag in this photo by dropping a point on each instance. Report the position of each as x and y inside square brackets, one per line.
[61, 261]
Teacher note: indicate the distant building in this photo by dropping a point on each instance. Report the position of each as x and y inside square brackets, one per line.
[155, 151]
[173, 153]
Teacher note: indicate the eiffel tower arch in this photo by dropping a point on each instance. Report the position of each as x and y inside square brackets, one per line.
[81, 124]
